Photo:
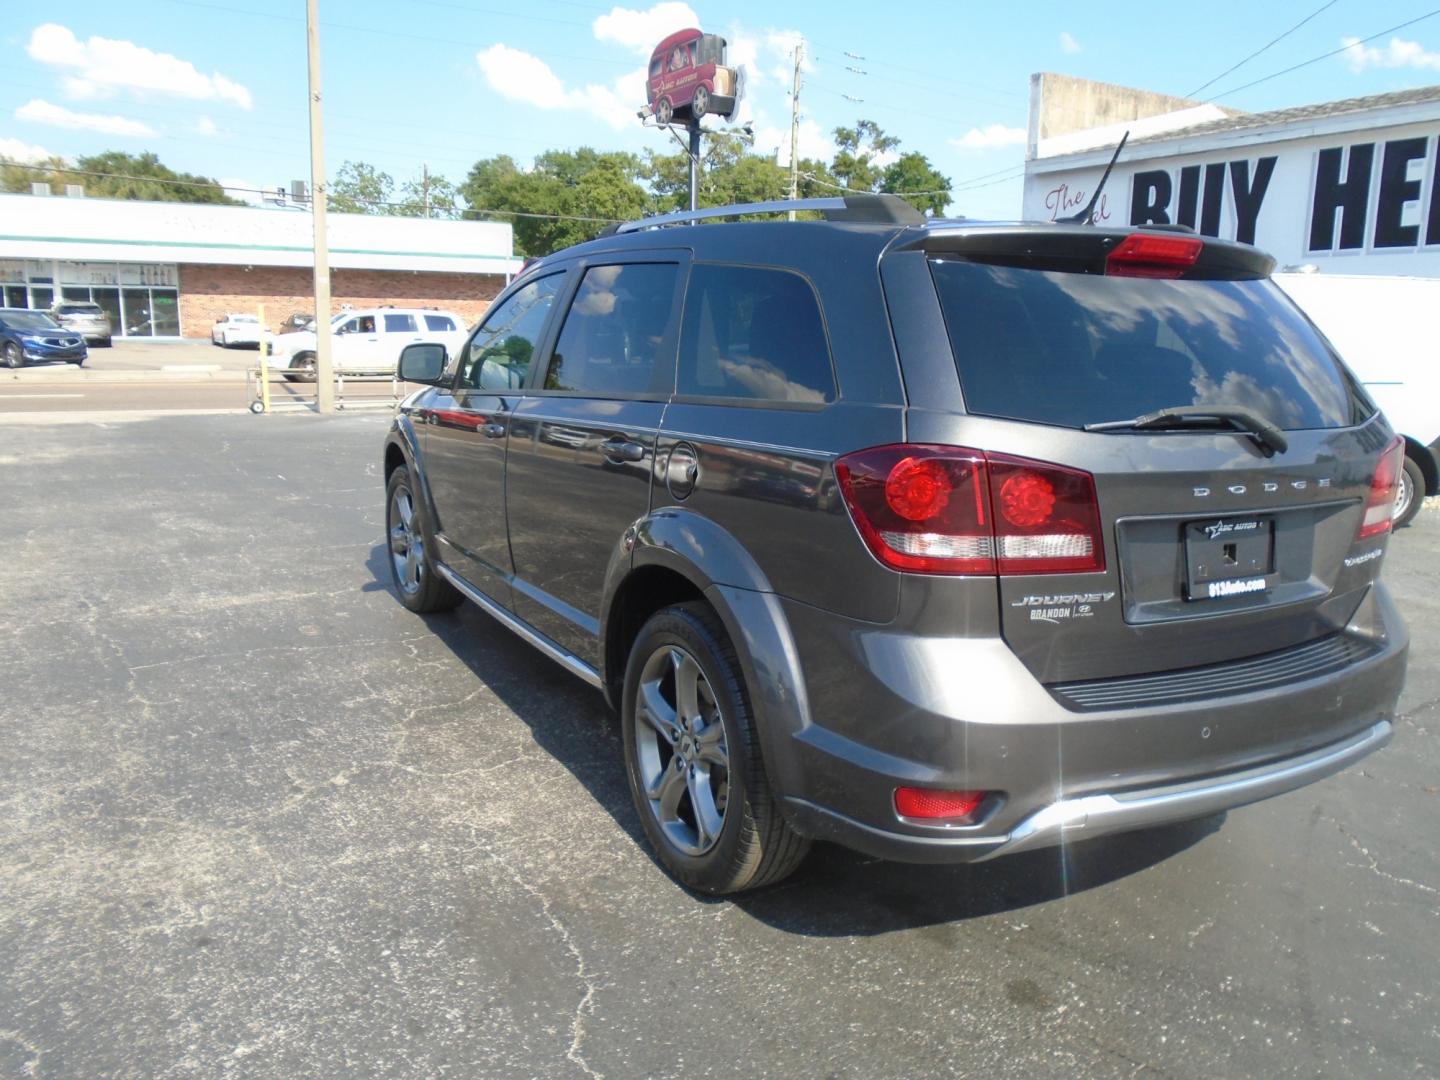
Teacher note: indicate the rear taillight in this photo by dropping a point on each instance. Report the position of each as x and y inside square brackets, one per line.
[1384, 487]
[948, 510]
[1149, 256]
[929, 804]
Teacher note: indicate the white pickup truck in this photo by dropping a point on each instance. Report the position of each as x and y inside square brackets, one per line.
[1384, 329]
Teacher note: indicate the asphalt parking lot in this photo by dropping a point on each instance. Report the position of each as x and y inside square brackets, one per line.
[260, 820]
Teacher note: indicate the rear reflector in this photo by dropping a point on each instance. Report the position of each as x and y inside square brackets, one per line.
[958, 807]
[949, 510]
[1150, 256]
[1384, 487]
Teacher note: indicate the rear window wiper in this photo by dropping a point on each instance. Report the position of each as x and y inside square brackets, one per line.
[1269, 437]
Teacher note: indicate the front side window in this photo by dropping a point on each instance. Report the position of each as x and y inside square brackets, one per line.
[754, 334]
[499, 354]
[614, 332]
[399, 324]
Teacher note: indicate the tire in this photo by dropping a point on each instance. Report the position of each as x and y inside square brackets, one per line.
[664, 112]
[1412, 493]
[13, 356]
[699, 104]
[303, 365]
[723, 833]
[420, 589]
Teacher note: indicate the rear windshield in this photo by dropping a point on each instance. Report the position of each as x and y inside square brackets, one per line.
[80, 309]
[1073, 349]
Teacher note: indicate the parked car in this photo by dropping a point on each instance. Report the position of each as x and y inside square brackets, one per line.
[299, 320]
[89, 320]
[1381, 326]
[237, 329]
[28, 336]
[365, 340]
[1023, 535]
[688, 78]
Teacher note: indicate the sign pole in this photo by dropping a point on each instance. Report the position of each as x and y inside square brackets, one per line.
[264, 367]
[694, 161]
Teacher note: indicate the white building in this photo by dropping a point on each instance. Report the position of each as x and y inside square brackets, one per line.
[169, 269]
[1348, 186]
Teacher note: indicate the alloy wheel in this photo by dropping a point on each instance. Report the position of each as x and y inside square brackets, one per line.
[407, 545]
[681, 750]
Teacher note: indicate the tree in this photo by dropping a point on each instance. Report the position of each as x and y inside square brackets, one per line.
[359, 188]
[913, 173]
[857, 149]
[566, 198]
[428, 196]
[115, 174]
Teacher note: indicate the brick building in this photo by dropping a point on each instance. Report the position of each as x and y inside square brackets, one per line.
[169, 270]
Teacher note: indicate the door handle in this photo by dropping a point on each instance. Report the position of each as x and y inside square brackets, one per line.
[493, 431]
[619, 448]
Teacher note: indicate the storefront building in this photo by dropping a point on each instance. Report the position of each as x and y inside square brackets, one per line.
[1346, 187]
[169, 270]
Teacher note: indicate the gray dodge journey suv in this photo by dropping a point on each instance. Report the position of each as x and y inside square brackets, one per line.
[937, 539]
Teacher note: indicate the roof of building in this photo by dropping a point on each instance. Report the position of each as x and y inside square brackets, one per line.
[121, 230]
[1301, 113]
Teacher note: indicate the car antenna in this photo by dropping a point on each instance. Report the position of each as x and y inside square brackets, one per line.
[1087, 216]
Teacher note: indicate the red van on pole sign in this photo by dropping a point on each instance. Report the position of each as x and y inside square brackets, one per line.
[688, 78]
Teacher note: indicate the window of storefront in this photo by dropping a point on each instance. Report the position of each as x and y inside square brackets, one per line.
[141, 298]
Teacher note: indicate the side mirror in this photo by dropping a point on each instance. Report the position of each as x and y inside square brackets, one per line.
[423, 362]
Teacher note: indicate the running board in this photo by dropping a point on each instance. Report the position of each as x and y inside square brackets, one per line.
[566, 659]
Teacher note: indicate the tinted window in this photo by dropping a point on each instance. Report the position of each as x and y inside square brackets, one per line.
[614, 330]
[400, 324]
[499, 354]
[79, 309]
[439, 322]
[756, 334]
[1073, 349]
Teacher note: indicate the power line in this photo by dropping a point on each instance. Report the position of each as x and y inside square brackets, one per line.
[1326, 56]
[1257, 52]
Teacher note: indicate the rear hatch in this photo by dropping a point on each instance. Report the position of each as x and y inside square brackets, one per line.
[1240, 475]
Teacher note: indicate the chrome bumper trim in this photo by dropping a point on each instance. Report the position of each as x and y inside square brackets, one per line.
[1071, 820]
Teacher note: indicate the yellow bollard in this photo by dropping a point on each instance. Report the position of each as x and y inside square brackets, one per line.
[264, 367]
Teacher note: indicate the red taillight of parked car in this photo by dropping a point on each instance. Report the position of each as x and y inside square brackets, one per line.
[1149, 256]
[1384, 488]
[949, 510]
[930, 804]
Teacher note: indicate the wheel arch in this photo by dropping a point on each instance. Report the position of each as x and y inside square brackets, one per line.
[1425, 457]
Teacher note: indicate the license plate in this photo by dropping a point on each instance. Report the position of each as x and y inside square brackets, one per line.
[1227, 557]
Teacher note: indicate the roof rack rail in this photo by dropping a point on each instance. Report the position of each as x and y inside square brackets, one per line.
[861, 206]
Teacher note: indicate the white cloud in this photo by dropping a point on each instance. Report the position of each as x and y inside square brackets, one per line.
[518, 76]
[206, 126]
[16, 150]
[42, 112]
[991, 137]
[246, 191]
[641, 31]
[1398, 54]
[102, 66]
[1068, 44]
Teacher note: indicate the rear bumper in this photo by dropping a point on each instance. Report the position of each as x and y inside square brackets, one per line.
[883, 709]
[1068, 821]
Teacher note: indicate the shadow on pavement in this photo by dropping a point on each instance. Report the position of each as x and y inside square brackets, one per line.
[836, 892]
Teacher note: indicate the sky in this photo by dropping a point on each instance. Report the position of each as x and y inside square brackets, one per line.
[220, 88]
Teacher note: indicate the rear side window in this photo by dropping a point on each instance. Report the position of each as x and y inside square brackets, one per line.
[754, 334]
[1073, 349]
[614, 332]
[399, 324]
[439, 322]
[499, 354]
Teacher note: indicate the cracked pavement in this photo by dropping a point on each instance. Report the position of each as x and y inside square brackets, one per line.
[258, 820]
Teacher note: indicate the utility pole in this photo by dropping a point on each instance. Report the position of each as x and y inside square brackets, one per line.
[324, 372]
[795, 126]
[425, 186]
